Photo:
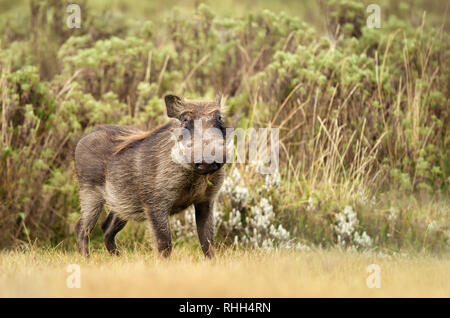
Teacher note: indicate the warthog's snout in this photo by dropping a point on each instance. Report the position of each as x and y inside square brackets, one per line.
[205, 168]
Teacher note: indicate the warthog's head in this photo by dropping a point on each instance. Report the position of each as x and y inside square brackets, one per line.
[201, 139]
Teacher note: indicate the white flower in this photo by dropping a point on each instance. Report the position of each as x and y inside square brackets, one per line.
[271, 181]
[346, 233]
[218, 218]
[363, 198]
[187, 228]
[432, 227]
[261, 216]
[267, 244]
[234, 221]
[363, 240]
[236, 175]
[392, 216]
[234, 188]
[300, 247]
[311, 206]
[280, 233]
[346, 222]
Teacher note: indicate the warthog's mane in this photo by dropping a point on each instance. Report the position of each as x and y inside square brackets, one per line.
[128, 138]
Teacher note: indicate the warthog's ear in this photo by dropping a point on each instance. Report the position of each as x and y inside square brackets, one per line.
[220, 100]
[174, 105]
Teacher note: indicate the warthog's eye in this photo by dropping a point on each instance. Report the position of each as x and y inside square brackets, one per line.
[219, 122]
[187, 123]
[219, 118]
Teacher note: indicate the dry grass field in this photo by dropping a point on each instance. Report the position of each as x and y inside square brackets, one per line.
[317, 273]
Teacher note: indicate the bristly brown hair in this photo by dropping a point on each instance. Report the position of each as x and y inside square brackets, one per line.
[127, 140]
[132, 136]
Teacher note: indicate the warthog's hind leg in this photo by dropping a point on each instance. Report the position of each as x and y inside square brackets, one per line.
[91, 206]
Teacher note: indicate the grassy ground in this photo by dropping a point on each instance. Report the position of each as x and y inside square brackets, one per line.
[318, 273]
[362, 113]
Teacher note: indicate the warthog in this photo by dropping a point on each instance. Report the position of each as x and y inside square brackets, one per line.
[134, 173]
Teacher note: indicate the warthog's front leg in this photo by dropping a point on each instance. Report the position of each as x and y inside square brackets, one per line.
[159, 218]
[204, 217]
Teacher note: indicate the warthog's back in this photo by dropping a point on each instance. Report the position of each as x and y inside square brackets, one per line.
[94, 149]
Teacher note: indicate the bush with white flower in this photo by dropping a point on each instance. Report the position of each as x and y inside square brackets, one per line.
[346, 230]
[243, 218]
